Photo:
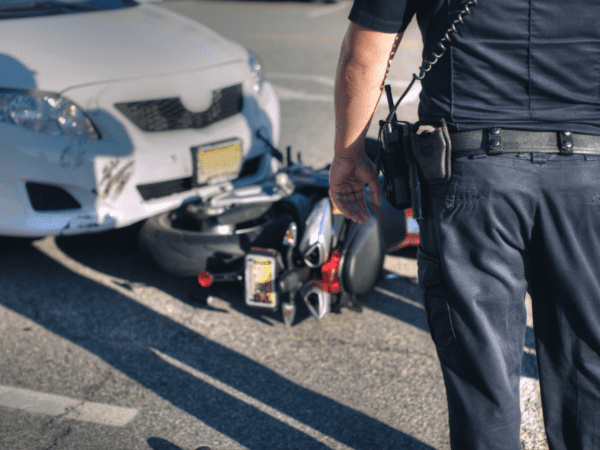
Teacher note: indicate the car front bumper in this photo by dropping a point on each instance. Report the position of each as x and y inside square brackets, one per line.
[58, 186]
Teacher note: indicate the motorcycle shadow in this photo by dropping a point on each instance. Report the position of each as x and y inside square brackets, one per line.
[115, 253]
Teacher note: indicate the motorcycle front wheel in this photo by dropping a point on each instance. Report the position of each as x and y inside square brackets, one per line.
[172, 243]
[175, 242]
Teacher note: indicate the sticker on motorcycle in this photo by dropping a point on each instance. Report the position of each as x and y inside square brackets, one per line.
[260, 280]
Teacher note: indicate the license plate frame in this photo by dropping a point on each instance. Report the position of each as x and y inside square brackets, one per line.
[260, 275]
[217, 162]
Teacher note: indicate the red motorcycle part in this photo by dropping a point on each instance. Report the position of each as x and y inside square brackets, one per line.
[329, 273]
[205, 279]
[411, 237]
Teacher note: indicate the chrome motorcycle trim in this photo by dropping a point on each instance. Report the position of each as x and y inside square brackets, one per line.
[290, 238]
[315, 244]
[288, 310]
[317, 300]
[284, 182]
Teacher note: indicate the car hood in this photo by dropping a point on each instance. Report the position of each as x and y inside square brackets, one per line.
[55, 53]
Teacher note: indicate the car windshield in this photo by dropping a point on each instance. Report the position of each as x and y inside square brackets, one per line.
[28, 8]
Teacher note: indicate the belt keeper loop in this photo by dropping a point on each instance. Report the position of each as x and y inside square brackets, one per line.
[565, 139]
[494, 141]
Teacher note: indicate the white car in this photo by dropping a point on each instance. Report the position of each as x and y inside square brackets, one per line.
[114, 111]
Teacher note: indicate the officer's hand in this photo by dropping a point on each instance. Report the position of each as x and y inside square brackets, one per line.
[347, 179]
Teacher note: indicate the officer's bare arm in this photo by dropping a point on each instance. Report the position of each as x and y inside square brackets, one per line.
[364, 62]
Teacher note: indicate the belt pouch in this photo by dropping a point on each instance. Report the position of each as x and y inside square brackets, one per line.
[432, 150]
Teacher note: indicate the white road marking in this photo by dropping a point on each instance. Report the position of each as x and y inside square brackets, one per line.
[330, 81]
[322, 79]
[323, 10]
[530, 351]
[68, 408]
[284, 418]
[291, 94]
[297, 37]
[327, 39]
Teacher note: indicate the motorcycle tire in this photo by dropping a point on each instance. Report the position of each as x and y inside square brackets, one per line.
[186, 253]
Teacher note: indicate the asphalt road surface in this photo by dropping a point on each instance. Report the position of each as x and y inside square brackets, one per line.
[102, 350]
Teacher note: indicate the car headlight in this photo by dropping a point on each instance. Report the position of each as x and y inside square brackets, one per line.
[46, 113]
[258, 77]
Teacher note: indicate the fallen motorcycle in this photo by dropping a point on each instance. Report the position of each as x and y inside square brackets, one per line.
[281, 239]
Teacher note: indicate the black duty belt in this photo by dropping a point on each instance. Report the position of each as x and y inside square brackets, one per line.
[497, 141]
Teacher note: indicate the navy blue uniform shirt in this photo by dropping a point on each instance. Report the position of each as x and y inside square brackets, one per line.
[521, 64]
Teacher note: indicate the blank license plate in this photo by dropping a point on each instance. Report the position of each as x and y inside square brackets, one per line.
[217, 162]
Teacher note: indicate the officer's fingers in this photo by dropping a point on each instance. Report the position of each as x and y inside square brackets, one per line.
[359, 205]
[340, 202]
[375, 189]
[355, 214]
[349, 205]
[364, 210]
[338, 206]
[368, 174]
[335, 208]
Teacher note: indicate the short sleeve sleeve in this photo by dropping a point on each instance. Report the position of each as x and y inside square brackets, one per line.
[387, 16]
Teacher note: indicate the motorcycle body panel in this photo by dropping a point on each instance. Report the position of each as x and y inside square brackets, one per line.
[362, 256]
[282, 240]
[315, 243]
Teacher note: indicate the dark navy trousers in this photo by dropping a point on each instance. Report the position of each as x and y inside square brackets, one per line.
[501, 226]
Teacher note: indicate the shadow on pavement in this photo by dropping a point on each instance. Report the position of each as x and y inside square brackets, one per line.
[401, 298]
[161, 444]
[115, 253]
[127, 335]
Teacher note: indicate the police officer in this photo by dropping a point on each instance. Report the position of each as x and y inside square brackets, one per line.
[520, 91]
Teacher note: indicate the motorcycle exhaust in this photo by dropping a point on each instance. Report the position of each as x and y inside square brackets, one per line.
[317, 299]
[316, 240]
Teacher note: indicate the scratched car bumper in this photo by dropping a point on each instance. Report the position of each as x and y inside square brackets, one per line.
[59, 186]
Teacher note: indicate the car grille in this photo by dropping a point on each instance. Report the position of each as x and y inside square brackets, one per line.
[170, 114]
